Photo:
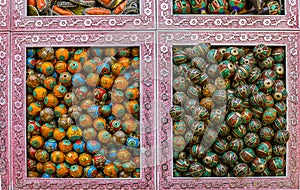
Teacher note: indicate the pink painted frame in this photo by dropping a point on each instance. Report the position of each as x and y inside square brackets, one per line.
[5, 15]
[145, 40]
[164, 136]
[167, 20]
[22, 22]
[4, 111]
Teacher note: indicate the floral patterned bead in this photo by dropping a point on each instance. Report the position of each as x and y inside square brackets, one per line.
[117, 68]
[90, 171]
[178, 143]
[79, 146]
[266, 133]
[233, 54]
[247, 155]
[280, 93]
[236, 104]
[47, 114]
[278, 54]
[241, 170]
[99, 160]
[239, 131]
[279, 150]
[200, 113]
[36, 141]
[57, 157]
[243, 72]
[279, 70]
[220, 170]
[100, 94]
[220, 146]
[74, 133]
[114, 125]
[85, 159]
[198, 127]
[257, 112]
[251, 140]
[261, 51]
[80, 55]
[246, 116]
[236, 144]
[62, 54]
[76, 171]
[110, 170]
[210, 159]
[41, 156]
[224, 130]
[65, 146]
[65, 79]
[226, 69]
[276, 163]
[106, 81]
[182, 165]
[30, 62]
[248, 59]
[104, 136]
[196, 169]
[230, 158]
[269, 115]
[264, 149]
[269, 74]
[179, 128]
[281, 136]
[47, 130]
[279, 123]
[46, 54]
[234, 119]
[267, 63]
[49, 83]
[62, 170]
[269, 101]
[39, 93]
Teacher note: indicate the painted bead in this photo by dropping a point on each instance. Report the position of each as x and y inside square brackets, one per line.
[199, 127]
[234, 119]
[49, 168]
[258, 99]
[217, 7]
[47, 68]
[31, 164]
[210, 159]
[59, 91]
[47, 130]
[246, 116]
[93, 146]
[76, 171]
[133, 142]
[196, 169]
[198, 6]
[49, 83]
[236, 144]
[236, 5]
[261, 51]
[120, 138]
[251, 140]
[258, 165]
[61, 67]
[106, 110]
[34, 109]
[36, 141]
[60, 110]
[39, 93]
[85, 159]
[65, 79]
[269, 115]
[230, 158]
[235, 105]
[103, 68]
[74, 67]
[226, 69]
[257, 112]
[278, 54]
[224, 130]
[214, 56]
[65, 146]
[182, 165]
[47, 115]
[80, 55]
[99, 123]
[62, 54]
[106, 81]
[181, 7]
[132, 106]
[179, 98]
[104, 136]
[110, 170]
[99, 160]
[266, 133]
[41, 155]
[242, 91]
[239, 131]
[254, 75]
[33, 127]
[31, 52]
[46, 54]
[71, 157]
[220, 170]
[62, 170]
[220, 97]
[59, 134]
[197, 151]
[276, 163]
[241, 170]
[129, 126]
[221, 146]
[247, 155]
[74, 133]
[57, 157]
[233, 54]
[281, 136]
[85, 121]
[280, 93]
[279, 150]
[90, 171]
[264, 149]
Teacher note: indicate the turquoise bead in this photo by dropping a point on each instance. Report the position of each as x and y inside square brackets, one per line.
[247, 155]
[220, 170]
[278, 54]
[264, 149]
[261, 51]
[179, 56]
[236, 144]
[251, 140]
[210, 159]
[196, 169]
[181, 7]
[198, 6]
[281, 136]
[266, 133]
[241, 170]
[214, 56]
[234, 119]
[258, 165]
[220, 146]
[230, 158]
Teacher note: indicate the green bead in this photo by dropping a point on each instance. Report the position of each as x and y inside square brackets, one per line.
[226, 69]
[235, 105]
[177, 174]
[182, 165]
[266, 63]
[194, 92]
[179, 128]
[276, 163]
[269, 74]
[242, 91]
[199, 127]
[266, 134]
[246, 116]
[179, 56]
[258, 165]
[279, 123]
[230, 158]
[241, 170]
[257, 112]
[278, 54]
[224, 130]
[200, 113]
[243, 72]
[199, 63]
[258, 99]
[266, 172]
[236, 144]
[179, 98]
[221, 146]
[279, 150]
[254, 75]
[269, 115]
[248, 59]
[201, 49]
[233, 54]
[239, 131]
[210, 159]
[207, 172]
[234, 119]
[180, 84]
[214, 56]
[264, 149]
[251, 140]
[197, 151]
[266, 85]
[247, 155]
[281, 136]
[280, 108]
[254, 125]
[176, 112]
[196, 170]
[220, 170]
[261, 51]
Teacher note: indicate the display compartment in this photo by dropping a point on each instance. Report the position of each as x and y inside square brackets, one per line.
[175, 14]
[170, 175]
[30, 15]
[4, 111]
[63, 147]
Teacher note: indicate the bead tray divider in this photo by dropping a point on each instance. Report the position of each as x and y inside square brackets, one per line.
[167, 20]
[5, 149]
[21, 41]
[164, 137]
[142, 21]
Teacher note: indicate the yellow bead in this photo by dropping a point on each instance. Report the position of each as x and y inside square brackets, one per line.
[39, 93]
[62, 54]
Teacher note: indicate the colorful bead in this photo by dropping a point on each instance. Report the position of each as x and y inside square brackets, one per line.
[234, 119]
[104, 136]
[47, 68]
[220, 146]
[62, 54]
[276, 163]
[76, 171]
[74, 133]
[57, 157]
[110, 170]
[278, 54]
[41, 156]
[46, 54]
[264, 149]
[36, 141]
[251, 140]
[62, 170]
[261, 51]
[281, 136]
[241, 170]
[236, 144]
[198, 6]
[39, 93]
[266, 133]
[80, 55]
[220, 170]
[79, 146]
[247, 155]
[226, 69]
[59, 134]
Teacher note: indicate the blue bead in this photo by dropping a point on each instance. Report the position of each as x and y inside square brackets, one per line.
[78, 80]
[45, 175]
[31, 52]
[30, 62]
[51, 145]
[91, 170]
[104, 68]
[79, 146]
[93, 146]
[93, 111]
[133, 142]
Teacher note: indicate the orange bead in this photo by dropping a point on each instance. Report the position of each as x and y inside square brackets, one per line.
[57, 157]
[99, 123]
[49, 168]
[72, 157]
[65, 146]
[59, 134]
[37, 141]
[47, 130]
[60, 91]
[133, 106]
[121, 83]
[86, 103]
[61, 67]
[74, 67]
[34, 108]
[47, 68]
[125, 61]
[60, 110]
[92, 79]
[39, 93]
[50, 101]
[135, 51]
[104, 136]
[80, 55]
[85, 159]
[124, 155]
[118, 110]
[89, 66]
[106, 81]
[49, 83]
[76, 171]
[129, 126]
[85, 121]
[62, 54]
[110, 170]
[62, 170]
[117, 68]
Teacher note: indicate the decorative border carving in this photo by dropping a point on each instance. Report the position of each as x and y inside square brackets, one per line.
[4, 14]
[4, 119]
[18, 131]
[166, 19]
[169, 39]
[22, 22]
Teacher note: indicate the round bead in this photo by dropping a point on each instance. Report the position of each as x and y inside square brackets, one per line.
[59, 91]
[258, 165]
[99, 160]
[47, 115]
[264, 149]
[85, 159]
[198, 127]
[220, 97]
[34, 109]
[180, 84]
[247, 155]
[36, 141]
[278, 54]
[74, 133]
[80, 55]
[79, 146]
[62, 54]
[39, 93]
[198, 7]
[65, 146]
[261, 51]
[210, 159]
[280, 108]
[120, 138]
[41, 155]
[90, 171]
[74, 67]
[214, 56]
[62, 170]
[76, 171]
[236, 144]
[129, 126]
[269, 115]
[47, 130]
[61, 67]
[230, 158]
[103, 68]
[220, 170]
[49, 83]
[33, 127]
[47, 68]
[241, 170]
[235, 105]
[117, 68]
[179, 56]
[49, 168]
[59, 134]
[266, 133]
[182, 165]
[234, 119]
[106, 81]
[99, 123]
[279, 150]
[276, 163]
[104, 136]
[71, 157]
[200, 113]
[281, 136]
[196, 169]
[179, 98]
[46, 54]
[110, 170]
[93, 146]
[251, 140]
[60, 110]
[133, 142]
[57, 157]
[221, 146]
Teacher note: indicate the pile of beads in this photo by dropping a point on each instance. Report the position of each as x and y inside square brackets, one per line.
[265, 7]
[81, 7]
[83, 112]
[229, 111]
